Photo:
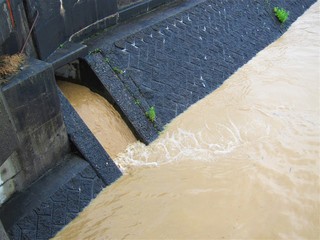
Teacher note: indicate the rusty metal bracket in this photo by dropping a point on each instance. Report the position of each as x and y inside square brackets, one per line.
[11, 14]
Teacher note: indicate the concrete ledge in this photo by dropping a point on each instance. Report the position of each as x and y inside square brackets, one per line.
[67, 53]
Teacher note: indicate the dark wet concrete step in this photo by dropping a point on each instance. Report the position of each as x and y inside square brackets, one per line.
[52, 202]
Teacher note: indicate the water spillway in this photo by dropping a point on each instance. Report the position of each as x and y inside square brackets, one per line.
[241, 163]
[100, 116]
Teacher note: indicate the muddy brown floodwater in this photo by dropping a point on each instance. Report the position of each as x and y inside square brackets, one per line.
[243, 163]
[100, 117]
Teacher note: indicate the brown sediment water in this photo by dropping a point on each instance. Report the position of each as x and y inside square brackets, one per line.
[100, 117]
[243, 163]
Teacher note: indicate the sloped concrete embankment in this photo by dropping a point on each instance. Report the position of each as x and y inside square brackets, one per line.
[181, 58]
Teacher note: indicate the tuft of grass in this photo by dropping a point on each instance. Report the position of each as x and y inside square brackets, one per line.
[281, 14]
[151, 114]
[107, 60]
[95, 51]
[117, 70]
[10, 65]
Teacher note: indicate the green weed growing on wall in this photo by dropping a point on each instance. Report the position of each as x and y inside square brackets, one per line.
[117, 70]
[151, 114]
[281, 14]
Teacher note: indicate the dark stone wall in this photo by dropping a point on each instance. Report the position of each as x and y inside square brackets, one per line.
[139, 7]
[58, 20]
[126, 3]
[30, 108]
[13, 36]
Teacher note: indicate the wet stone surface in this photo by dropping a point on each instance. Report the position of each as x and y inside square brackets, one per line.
[58, 210]
[47, 207]
[179, 60]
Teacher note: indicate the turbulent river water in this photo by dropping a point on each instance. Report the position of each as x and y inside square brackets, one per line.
[100, 117]
[243, 163]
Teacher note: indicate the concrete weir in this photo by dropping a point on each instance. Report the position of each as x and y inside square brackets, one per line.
[51, 165]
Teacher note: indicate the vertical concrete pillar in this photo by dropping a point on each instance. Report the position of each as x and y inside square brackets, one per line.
[34, 138]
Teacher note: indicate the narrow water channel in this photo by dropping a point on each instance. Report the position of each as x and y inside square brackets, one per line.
[100, 117]
[243, 163]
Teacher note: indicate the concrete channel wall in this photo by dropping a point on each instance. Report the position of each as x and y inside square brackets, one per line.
[33, 135]
[59, 21]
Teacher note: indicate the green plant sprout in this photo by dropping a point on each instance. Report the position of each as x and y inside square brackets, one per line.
[151, 114]
[117, 70]
[95, 51]
[281, 14]
[107, 60]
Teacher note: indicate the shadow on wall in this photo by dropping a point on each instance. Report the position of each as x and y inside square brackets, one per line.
[14, 28]
[126, 3]
[61, 19]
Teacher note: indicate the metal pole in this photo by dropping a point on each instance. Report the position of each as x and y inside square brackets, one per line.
[33, 24]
